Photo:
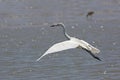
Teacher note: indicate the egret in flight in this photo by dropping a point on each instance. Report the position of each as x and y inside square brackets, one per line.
[71, 43]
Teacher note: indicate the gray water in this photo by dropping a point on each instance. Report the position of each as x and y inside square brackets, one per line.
[25, 35]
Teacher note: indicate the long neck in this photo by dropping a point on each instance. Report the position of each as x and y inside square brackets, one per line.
[64, 31]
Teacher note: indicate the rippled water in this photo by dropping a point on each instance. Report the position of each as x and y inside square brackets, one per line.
[25, 35]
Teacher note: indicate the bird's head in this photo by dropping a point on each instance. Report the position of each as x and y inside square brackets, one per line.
[57, 24]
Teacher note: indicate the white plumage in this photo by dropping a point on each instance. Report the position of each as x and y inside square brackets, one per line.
[70, 44]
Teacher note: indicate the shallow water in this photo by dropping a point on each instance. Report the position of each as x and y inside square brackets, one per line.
[25, 35]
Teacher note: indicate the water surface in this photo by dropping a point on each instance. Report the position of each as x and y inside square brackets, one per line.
[25, 35]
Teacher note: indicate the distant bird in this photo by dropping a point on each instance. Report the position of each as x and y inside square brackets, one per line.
[72, 42]
[90, 13]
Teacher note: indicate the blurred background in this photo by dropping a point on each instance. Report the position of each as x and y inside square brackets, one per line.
[25, 35]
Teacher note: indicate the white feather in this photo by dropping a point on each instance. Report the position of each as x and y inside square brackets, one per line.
[72, 43]
[60, 47]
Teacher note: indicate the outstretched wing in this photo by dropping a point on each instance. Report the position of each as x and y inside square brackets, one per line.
[60, 47]
[88, 47]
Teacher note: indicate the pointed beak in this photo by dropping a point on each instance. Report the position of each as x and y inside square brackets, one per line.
[52, 25]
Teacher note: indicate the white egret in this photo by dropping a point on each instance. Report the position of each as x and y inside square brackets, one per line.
[71, 43]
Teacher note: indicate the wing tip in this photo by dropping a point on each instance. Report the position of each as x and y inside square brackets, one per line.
[37, 60]
[95, 51]
[97, 58]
